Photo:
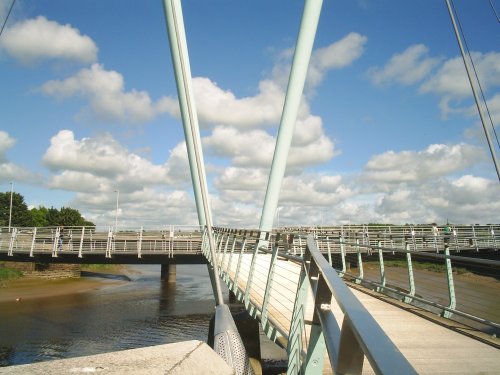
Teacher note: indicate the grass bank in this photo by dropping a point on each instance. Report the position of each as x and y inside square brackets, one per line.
[9, 273]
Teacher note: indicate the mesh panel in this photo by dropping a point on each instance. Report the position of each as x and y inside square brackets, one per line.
[230, 348]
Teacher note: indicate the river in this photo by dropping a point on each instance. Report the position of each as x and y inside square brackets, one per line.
[138, 313]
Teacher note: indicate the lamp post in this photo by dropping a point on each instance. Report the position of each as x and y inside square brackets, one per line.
[116, 215]
[10, 209]
[278, 216]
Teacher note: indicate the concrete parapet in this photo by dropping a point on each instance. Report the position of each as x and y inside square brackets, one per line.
[188, 357]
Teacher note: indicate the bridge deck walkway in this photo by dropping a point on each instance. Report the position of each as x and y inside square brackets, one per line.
[431, 348]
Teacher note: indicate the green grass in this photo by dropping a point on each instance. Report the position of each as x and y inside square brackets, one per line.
[9, 273]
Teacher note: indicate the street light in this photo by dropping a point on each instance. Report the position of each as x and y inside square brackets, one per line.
[10, 209]
[278, 209]
[116, 215]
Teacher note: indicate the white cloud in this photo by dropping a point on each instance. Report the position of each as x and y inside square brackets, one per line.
[408, 67]
[146, 207]
[335, 56]
[255, 148]
[102, 164]
[436, 161]
[242, 179]
[108, 100]
[244, 148]
[217, 106]
[38, 39]
[451, 84]
[6, 143]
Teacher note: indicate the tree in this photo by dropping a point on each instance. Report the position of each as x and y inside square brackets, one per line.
[39, 216]
[20, 214]
[71, 217]
[52, 217]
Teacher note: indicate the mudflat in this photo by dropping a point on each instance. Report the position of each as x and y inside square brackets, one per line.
[28, 288]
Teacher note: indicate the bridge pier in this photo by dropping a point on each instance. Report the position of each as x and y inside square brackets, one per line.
[168, 272]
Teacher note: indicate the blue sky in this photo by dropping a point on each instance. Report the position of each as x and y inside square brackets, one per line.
[387, 130]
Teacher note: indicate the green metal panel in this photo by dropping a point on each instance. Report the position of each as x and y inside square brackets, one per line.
[297, 325]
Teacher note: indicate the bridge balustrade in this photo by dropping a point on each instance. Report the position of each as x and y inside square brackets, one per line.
[274, 284]
[266, 272]
[90, 240]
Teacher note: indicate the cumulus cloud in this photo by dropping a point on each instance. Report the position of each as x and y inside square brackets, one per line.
[102, 164]
[407, 67]
[147, 207]
[255, 148]
[39, 39]
[451, 79]
[335, 56]
[410, 166]
[218, 106]
[108, 100]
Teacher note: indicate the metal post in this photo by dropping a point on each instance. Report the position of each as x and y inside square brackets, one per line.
[10, 208]
[182, 70]
[342, 255]
[269, 286]
[180, 58]
[139, 244]
[360, 263]
[451, 286]
[116, 215]
[411, 278]
[33, 243]
[381, 264]
[81, 243]
[235, 288]
[479, 107]
[298, 73]
[225, 333]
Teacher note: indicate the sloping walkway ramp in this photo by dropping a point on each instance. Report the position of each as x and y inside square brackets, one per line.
[429, 347]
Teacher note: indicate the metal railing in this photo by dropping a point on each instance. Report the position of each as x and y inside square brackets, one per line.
[421, 278]
[267, 272]
[273, 284]
[421, 237]
[92, 240]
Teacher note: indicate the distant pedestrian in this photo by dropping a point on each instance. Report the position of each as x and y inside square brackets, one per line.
[61, 237]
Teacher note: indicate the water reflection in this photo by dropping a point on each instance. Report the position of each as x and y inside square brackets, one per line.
[142, 312]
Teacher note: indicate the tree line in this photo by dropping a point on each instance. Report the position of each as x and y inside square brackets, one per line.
[39, 216]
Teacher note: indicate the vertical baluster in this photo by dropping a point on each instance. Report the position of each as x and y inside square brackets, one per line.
[251, 309]
[451, 286]
[411, 279]
[271, 332]
[360, 263]
[139, 244]
[235, 288]
[381, 264]
[33, 243]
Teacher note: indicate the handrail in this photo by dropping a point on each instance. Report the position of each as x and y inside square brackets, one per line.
[360, 334]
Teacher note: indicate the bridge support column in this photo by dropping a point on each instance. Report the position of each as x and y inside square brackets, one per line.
[168, 272]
